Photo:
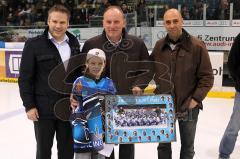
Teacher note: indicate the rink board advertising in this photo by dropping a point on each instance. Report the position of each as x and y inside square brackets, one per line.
[139, 119]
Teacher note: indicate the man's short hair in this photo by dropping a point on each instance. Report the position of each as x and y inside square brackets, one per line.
[114, 7]
[59, 8]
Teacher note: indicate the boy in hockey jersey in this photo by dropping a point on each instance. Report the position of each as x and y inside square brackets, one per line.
[89, 90]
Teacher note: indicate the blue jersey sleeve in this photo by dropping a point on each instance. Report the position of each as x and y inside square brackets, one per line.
[112, 88]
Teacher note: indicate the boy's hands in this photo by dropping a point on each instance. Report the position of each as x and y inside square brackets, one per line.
[137, 91]
[73, 102]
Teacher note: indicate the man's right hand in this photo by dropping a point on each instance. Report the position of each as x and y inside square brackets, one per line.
[32, 114]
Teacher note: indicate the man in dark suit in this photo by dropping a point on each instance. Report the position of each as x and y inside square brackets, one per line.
[40, 56]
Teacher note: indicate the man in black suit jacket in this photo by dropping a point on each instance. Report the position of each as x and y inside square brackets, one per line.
[40, 56]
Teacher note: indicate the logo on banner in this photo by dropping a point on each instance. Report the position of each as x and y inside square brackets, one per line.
[76, 33]
[14, 63]
[217, 65]
[161, 34]
[13, 59]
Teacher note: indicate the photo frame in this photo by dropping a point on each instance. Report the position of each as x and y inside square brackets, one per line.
[139, 119]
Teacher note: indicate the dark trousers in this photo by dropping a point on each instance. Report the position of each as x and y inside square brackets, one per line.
[126, 151]
[44, 133]
[187, 130]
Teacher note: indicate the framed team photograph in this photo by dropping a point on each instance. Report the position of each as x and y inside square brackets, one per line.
[139, 119]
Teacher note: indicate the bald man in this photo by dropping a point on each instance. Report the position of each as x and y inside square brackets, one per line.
[186, 74]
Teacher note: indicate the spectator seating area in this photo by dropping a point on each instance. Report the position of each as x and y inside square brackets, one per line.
[85, 13]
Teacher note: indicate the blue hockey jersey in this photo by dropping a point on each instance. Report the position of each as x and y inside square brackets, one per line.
[86, 119]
